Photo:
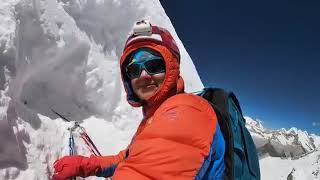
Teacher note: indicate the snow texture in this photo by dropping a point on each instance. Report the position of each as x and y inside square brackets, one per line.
[305, 168]
[286, 154]
[63, 55]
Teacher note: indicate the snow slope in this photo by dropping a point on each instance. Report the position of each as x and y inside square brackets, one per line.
[63, 55]
[286, 154]
[305, 168]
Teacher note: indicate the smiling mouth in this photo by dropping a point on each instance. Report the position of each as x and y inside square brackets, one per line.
[151, 85]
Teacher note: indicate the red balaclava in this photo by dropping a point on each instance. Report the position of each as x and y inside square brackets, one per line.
[159, 39]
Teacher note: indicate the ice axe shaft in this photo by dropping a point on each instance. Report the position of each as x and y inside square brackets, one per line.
[64, 118]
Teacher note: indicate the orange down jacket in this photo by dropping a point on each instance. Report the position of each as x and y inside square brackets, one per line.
[175, 136]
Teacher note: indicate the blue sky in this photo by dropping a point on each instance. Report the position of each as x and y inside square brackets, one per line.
[267, 52]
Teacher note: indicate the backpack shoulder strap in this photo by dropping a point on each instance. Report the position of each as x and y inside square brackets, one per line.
[218, 98]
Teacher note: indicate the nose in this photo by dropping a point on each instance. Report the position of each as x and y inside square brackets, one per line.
[144, 74]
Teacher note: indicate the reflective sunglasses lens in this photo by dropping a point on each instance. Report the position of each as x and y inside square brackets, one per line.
[133, 70]
[155, 66]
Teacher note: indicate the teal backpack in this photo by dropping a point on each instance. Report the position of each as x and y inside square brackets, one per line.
[241, 158]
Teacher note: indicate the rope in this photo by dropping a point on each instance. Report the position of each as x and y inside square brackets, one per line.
[71, 149]
[89, 142]
[92, 147]
[71, 145]
[83, 135]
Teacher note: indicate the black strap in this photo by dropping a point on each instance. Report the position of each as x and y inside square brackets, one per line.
[218, 98]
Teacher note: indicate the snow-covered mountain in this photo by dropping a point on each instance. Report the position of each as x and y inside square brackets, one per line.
[286, 154]
[63, 55]
[281, 143]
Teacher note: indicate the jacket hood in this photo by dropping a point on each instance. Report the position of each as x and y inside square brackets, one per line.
[172, 84]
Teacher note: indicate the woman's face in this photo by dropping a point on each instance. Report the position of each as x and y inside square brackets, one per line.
[147, 85]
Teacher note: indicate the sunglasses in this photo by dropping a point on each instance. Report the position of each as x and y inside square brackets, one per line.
[151, 66]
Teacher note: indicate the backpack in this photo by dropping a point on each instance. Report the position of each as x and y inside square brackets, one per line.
[241, 158]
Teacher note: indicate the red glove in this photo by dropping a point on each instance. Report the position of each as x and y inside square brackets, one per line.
[71, 166]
